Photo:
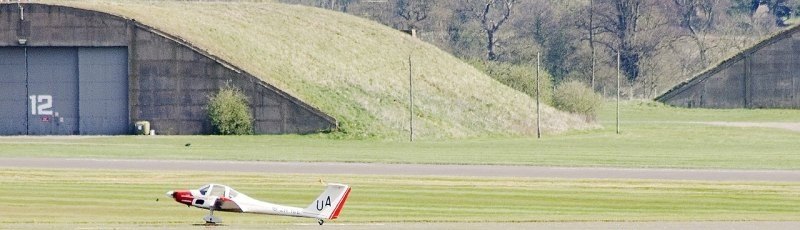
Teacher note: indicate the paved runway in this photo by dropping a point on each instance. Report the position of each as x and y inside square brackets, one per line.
[408, 169]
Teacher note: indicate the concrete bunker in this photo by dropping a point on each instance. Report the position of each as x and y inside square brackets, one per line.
[69, 71]
[766, 75]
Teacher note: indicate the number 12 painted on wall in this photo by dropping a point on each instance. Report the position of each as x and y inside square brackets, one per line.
[41, 104]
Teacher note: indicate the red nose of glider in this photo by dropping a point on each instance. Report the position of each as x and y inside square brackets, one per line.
[181, 196]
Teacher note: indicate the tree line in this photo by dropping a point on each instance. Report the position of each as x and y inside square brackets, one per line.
[660, 42]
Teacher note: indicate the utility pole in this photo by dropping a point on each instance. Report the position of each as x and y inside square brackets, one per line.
[410, 103]
[618, 73]
[538, 114]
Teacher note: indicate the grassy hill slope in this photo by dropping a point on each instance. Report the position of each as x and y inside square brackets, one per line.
[350, 68]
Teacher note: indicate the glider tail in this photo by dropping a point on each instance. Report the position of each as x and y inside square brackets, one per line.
[330, 203]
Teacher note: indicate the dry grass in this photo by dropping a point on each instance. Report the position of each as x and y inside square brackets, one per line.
[350, 68]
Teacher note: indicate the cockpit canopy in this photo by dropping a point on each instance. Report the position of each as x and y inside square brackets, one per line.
[218, 190]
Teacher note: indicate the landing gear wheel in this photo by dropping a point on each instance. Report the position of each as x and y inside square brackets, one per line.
[320, 222]
[212, 220]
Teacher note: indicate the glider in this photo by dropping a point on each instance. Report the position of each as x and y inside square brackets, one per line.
[216, 197]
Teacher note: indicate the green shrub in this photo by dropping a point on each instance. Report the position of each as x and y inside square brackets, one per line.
[519, 77]
[575, 97]
[229, 112]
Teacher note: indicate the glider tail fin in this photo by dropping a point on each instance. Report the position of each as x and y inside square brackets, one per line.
[330, 203]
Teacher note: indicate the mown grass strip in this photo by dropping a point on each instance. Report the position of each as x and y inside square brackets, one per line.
[63, 197]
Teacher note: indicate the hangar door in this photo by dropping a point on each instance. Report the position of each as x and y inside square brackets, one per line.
[63, 91]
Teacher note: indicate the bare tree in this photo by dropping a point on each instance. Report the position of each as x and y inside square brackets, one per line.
[413, 11]
[630, 28]
[556, 42]
[492, 14]
[697, 18]
[586, 26]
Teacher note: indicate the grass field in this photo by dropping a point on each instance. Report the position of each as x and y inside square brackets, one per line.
[64, 197]
[653, 135]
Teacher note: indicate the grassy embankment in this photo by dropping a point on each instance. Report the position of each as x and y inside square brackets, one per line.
[351, 68]
[61, 198]
[653, 135]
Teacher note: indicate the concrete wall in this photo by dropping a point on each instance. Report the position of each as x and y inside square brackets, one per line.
[766, 75]
[169, 79]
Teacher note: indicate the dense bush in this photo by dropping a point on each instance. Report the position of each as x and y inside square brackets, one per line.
[519, 77]
[229, 112]
[574, 96]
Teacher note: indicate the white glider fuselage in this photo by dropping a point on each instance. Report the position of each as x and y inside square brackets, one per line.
[217, 197]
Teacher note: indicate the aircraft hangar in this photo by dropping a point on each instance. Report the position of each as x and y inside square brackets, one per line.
[69, 71]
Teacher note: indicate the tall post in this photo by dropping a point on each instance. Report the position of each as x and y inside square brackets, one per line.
[618, 73]
[410, 103]
[591, 39]
[538, 114]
